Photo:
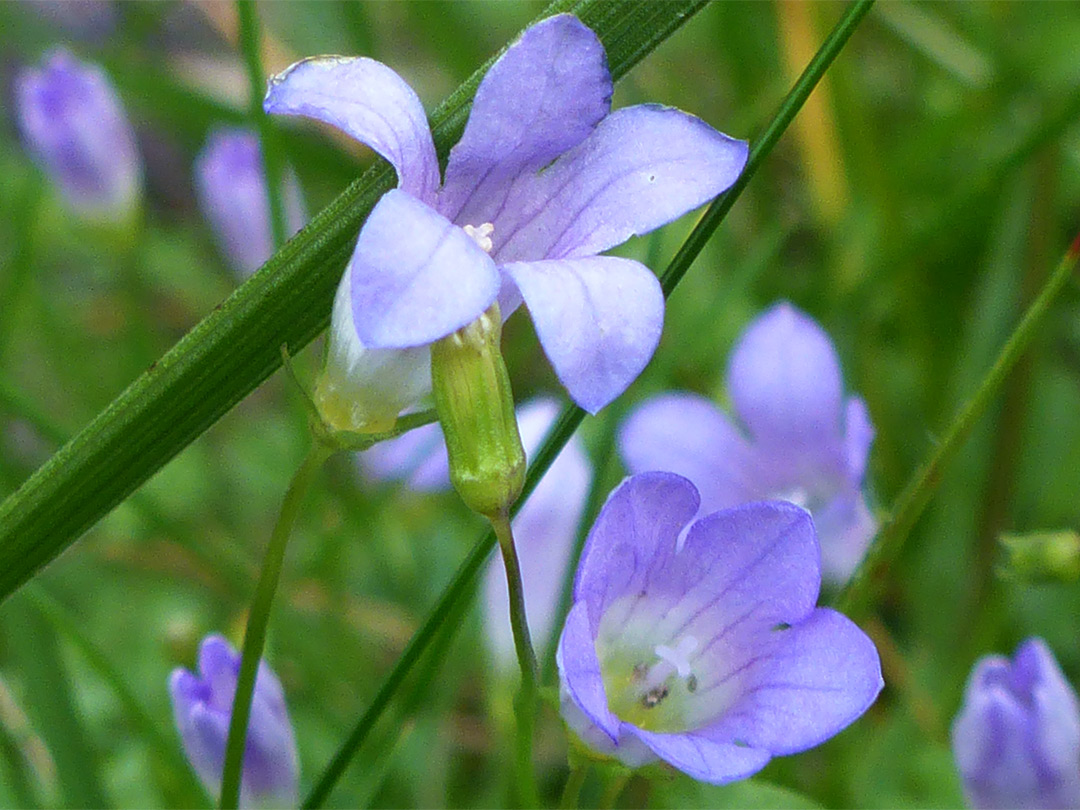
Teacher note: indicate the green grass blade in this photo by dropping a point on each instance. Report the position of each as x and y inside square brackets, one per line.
[238, 345]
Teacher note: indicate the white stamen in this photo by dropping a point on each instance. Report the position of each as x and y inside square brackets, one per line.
[481, 234]
[679, 657]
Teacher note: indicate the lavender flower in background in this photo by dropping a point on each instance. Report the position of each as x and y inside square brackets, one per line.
[707, 652]
[543, 179]
[231, 187]
[1016, 739]
[544, 529]
[803, 441]
[72, 120]
[202, 706]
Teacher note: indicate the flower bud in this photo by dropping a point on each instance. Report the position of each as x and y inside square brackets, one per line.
[1039, 557]
[72, 120]
[231, 186]
[202, 706]
[476, 410]
[1016, 739]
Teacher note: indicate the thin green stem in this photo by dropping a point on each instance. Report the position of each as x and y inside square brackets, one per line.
[614, 789]
[259, 618]
[571, 416]
[860, 591]
[525, 702]
[250, 44]
[571, 794]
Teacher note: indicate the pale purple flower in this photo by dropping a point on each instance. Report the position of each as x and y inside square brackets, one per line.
[1016, 739]
[72, 119]
[231, 188]
[544, 529]
[202, 706]
[797, 438]
[543, 179]
[701, 644]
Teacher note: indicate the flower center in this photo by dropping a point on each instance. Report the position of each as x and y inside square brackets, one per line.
[651, 693]
[481, 234]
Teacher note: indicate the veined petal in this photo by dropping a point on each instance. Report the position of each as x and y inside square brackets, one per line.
[687, 434]
[541, 98]
[822, 674]
[636, 532]
[415, 276]
[784, 379]
[579, 669]
[599, 320]
[370, 102]
[704, 758]
[641, 168]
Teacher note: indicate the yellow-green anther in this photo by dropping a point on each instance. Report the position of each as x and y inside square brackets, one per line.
[476, 409]
[1047, 556]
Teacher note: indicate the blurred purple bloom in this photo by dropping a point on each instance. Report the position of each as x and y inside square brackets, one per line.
[543, 179]
[202, 706]
[73, 121]
[801, 441]
[231, 187]
[1017, 737]
[544, 529]
[701, 644]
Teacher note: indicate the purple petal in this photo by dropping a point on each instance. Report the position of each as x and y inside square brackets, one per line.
[758, 561]
[74, 122]
[636, 532]
[845, 528]
[641, 168]
[822, 674]
[599, 320]
[219, 668]
[544, 532]
[418, 457]
[704, 758]
[541, 98]
[370, 102]
[858, 436]
[784, 379]
[687, 434]
[579, 670]
[416, 277]
[231, 188]
[1016, 739]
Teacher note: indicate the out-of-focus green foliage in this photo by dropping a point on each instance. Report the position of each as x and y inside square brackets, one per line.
[914, 209]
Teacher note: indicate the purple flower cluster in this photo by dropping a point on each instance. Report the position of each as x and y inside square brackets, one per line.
[1016, 739]
[72, 119]
[797, 439]
[202, 706]
[231, 187]
[698, 641]
[544, 178]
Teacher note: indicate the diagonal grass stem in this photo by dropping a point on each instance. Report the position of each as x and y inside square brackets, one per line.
[858, 595]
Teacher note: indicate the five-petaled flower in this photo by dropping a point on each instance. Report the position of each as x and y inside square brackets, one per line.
[202, 706]
[72, 119]
[803, 442]
[701, 645]
[231, 187]
[1016, 739]
[544, 178]
[544, 529]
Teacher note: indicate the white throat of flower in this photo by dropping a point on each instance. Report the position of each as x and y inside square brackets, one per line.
[652, 693]
[796, 495]
[481, 234]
